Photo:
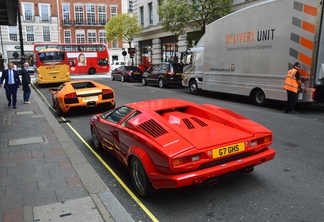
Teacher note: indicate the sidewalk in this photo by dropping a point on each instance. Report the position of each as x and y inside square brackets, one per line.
[43, 175]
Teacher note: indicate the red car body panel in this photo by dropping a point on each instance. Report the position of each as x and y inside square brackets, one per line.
[167, 130]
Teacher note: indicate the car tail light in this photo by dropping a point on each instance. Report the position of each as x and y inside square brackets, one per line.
[313, 94]
[129, 73]
[70, 95]
[187, 159]
[170, 73]
[107, 91]
[260, 140]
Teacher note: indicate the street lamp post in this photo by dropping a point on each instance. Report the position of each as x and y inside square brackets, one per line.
[22, 57]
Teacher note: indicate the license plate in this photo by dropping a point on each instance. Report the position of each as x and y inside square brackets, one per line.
[89, 98]
[178, 73]
[228, 150]
[136, 73]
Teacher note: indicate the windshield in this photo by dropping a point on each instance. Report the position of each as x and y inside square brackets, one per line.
[176, 67]
[50, 57]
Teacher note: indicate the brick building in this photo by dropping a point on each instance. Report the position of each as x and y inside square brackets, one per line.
[66, 21]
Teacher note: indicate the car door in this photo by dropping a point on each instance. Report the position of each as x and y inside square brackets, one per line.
[118, 73]
[126, 137]
[105, 128]
[149, 74]
[112, 130]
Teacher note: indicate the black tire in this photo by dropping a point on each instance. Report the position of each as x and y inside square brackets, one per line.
[58, 108]
[259, 98]
[144, 83]
[112, 77]
[193, 87]
[95, 138]
[53, 102]
[161, 83]
[92, 71]
[140, 180]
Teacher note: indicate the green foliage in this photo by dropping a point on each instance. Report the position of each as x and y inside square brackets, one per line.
[180, 16]
[122, 27]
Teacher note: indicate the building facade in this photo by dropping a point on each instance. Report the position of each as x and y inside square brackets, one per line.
[61, 21]
[155, 45]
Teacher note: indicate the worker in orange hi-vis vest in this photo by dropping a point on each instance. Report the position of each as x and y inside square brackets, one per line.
[292, 83]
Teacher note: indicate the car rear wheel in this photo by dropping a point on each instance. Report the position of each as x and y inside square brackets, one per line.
[144, 83]
[92, 71]
[112, 77]
[58, 108]
[95, 138]
[161, 83]
[140, 180]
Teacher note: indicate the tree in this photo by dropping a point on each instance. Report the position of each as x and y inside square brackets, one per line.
[123, 27]
[181, 16]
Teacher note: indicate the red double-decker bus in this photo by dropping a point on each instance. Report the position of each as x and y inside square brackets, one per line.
[83, 58]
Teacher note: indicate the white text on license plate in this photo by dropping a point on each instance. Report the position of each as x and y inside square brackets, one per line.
[89, 98]
[228, 150]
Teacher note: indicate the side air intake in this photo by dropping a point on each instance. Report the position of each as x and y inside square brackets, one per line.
[153, 128]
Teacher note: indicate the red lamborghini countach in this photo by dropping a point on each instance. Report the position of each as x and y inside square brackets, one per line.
[171, 143]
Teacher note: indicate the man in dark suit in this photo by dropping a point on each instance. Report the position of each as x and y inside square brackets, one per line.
[12, 83]
[25, 77]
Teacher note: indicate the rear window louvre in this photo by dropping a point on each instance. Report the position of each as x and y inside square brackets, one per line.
[199, 121]
[153, 128]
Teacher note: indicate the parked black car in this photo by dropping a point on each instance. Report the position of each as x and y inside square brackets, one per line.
[163, 74]
[127, 73]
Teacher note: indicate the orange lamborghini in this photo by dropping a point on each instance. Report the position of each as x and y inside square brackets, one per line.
[82, 93]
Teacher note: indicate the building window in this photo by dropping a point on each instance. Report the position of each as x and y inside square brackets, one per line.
[142, 15]
[13, 36]
[113, 11]
[78, 9]
[28, 11]
[91, 15]
[80, 37]
[92, 36]
[114, 45]
[150, 6]
[130, 6]
[102, 36]
[46, 34]
[102, 14]
[44, 11]
[67, 36]
[66, 14]
[30, 34]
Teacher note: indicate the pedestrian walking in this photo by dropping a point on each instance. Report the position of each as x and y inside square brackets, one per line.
[26, 84]
[12, 83]
[292, 84]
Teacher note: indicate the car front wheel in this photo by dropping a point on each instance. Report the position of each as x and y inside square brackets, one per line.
[140, 180]
[122, 78]
[95, 138]
[161, 83]
[144, 83]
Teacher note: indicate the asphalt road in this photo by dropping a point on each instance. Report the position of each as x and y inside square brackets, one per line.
[288, 188]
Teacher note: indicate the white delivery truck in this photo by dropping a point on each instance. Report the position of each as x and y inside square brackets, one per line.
[250, 51]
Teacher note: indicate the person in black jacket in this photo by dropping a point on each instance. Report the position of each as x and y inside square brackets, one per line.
[26, 85]
[12, 83]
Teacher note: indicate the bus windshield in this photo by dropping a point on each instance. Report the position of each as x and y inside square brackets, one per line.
[51, 57]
